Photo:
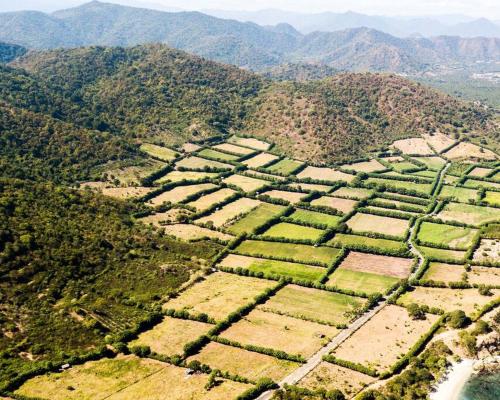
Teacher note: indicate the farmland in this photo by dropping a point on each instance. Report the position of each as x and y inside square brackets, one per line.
[306, 252]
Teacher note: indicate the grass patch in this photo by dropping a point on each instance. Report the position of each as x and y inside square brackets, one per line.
[315, 217]
[392, 183]
[469, 214]
[460, 194]
[255, 218]
[294, 232]
[361, 281]
[441, 254]
[285, 166]
[453, 236]
[346, 240]
[218, 155]
[163, 153]
[378, 224]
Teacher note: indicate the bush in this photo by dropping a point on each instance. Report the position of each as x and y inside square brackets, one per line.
[457, 319]
[415, 311]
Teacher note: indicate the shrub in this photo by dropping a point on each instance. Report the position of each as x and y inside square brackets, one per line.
[457, 319]
[415, 311]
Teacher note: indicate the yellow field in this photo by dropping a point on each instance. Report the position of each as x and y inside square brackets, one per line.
[163, 153]
[453, 273]
[126, 192]
[219, 295]
[208, 200]
[325, 174]
[377, 224]
[353, 193]
[464, 151]
[231, 148]
[280, 332]
[330, 376]
[343, 205]
[413, 146]
[250, 142]
[245, 183]
[467, 300]
[438, 141]
[292, 197]
[249, 364]
[312, 187]
[194, 162]
[127, 378]
[365, 166]
[383, 339]
[170, 336]
[167, 217]
[229, 212]
[179, 193]
[193, 232]
[259, 160]
[177, 176]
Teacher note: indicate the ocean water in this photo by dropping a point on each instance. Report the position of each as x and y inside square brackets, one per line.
[482, 387]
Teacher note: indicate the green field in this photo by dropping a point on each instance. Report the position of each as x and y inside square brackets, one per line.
[440, 254]
[163, 153]
[453, 236]
[361, 281]
[298, 252]
[353, 193]
[469, 214]
[425, 174]
[341, 240]
[217, 155]
[294, 232]
[461, 194]
[289, 269]
[284, 167]
[492, 198]
[403, 166]
[255, 218]
[479, 184]
[314, 217]
[435, 163]
[391, 183]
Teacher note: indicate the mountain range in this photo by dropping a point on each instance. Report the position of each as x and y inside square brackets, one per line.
[247, 44]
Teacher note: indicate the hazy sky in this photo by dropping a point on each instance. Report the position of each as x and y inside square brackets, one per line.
[475, 8]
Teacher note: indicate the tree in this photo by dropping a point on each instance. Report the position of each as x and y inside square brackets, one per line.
[457, 319]
[415, 311]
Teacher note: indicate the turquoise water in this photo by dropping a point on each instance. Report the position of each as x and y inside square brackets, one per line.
[482, 387]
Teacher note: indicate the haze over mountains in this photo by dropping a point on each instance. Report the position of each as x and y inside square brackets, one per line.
[246, 45]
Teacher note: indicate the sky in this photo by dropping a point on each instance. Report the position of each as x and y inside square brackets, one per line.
[474, 8]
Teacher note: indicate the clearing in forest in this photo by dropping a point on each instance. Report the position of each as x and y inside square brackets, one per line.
[384, 339]
[280, 332]
[168, 217]
[219, 294]
[366, 223]
[126, 192]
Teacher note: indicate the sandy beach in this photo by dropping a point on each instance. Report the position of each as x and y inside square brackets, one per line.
[456, 378]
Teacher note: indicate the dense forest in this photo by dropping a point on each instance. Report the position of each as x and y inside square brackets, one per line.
[67, 255]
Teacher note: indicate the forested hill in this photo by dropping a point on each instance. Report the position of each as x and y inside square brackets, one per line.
[244, 44]
[9, 52]
[66, 111]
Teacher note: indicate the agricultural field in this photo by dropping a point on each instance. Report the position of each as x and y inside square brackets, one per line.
[250, 142]
[248, 364]
[229, 212]
[210, 153]
[231, 148]
[177, 176]
[438, 141]
[469, 214]
[343, 205]
[474, 183]
[274, 267]
[219, 294]
[385, 338]
[488, 251]
[459, 194]
[442, 254]
[403, 166]
[353, 193]
[280, 332]
[477, 275]
[330, 376]
[433, 163]
[171, 335]
[492, 198]
[424, 188]
[245, 183]
[365, 166]
[126, 192]
[364, 282]
[285, 166]
[207, 201]
[325, 174]
[456, 237]
[194, 162]
[465, 150]
[346, 240]
[255, 218]
[193, 232]
[360, 223]
[467, 300]
[413, 146]
[133, 174]
[310, 187]
[126, 378]
[260, 160]
[314, 217]
[293, 231]
[160, 152]
[180, 193]
[168, 217]
[314, 305]
[291, 197]
[396, 267]
[480, 172]
[298, 252]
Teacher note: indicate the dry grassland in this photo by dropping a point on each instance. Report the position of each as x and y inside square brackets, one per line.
[385, 338]
[168, 217]
[231, 148]
[377, 224]
[280, 332]
[311, 187]
[190, 147]
[453, 273]
[193, 162]
[177, 176]
[246, 363]
[343, 205]
[208, 200]
[438, 141]
[170, 336]
[259, 160]
[126, 192]
[245, 183]
[250, 142]
[192, 232]
[365, 166]
[480, 172]
[465, 150]
[132, 175]
[416, 146]
[330, 376]
[467, 300]
[353, 193]
[292, 197]
[488, 250]
[469, 214]
[219, 294]
[230, 211]
[325, 174]
[179, 193]
[396, 267]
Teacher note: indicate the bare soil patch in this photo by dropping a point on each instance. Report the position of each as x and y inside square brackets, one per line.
[466, 150]
[438, 141]
[417, 146]
[488, 250]
[382, 265]
[194, 232]
[377, 224]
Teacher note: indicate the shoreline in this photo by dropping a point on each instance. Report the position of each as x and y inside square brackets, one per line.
[455, 378]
